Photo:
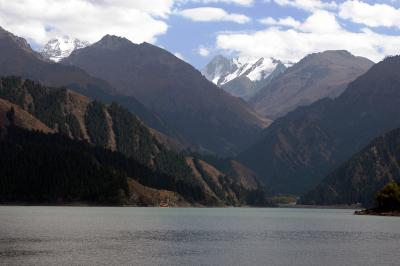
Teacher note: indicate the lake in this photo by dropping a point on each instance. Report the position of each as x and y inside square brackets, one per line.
[195, 236]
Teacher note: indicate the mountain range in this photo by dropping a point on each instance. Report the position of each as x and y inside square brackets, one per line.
[298, 150]
[164, 131]
[206, 118]
[315, 77]
[124, 143]
[17, 58]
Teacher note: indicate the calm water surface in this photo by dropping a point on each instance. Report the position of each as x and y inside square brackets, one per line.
[228, 236]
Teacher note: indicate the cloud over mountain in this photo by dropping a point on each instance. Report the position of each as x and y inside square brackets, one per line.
[289, 39]
[41, 20]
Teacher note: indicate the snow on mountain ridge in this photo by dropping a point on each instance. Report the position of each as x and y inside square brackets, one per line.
[59, 48]
[222, 70]
[243, 77]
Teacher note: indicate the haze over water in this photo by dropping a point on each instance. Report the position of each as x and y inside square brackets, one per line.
[227, 236]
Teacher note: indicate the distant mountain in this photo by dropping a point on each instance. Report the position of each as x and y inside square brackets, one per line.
[242, 77]
[17, 58]
[233, 186]
[203, 115]
[360, 178]
[218, 68]
[315, 77]
[298, 150]
[59, 48]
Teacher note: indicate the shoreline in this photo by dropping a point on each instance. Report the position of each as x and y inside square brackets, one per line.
[377, 212]
[79, 204]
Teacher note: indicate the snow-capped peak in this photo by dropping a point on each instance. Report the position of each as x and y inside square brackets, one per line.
[59, 48]
[243, 77]
[218, 68]
[222, 70]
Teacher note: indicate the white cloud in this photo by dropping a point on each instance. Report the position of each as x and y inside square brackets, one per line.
[158, 7]
[319, 32]
[41, 20]
[207, 14]
[288, 21]
[179, 55]
[309, 5]
[371, 15]
[203, 51]
[321, 22]
[236, 2]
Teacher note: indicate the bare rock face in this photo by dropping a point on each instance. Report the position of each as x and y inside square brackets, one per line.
[315, 77]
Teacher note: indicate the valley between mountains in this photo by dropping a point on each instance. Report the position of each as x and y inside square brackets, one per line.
[119, 123]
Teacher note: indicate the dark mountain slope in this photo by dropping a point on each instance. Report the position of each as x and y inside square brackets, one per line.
[39, 168]
[18, 59]
[78, 117]
[51, 168]
[315, 77]
[115, 128]
[360, 178]
[203, 114]
[298, 150]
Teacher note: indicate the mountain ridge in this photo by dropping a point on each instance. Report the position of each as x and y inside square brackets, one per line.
[203, 114]
[18, 59]
[315, 77]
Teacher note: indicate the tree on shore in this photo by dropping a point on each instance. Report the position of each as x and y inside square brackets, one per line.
[388, 197]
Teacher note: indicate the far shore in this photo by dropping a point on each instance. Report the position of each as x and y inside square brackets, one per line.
[300, 206]
[378, 212]
[80, 204]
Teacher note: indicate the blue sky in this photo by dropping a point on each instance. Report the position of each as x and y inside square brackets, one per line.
[204, 34]
[196, 30]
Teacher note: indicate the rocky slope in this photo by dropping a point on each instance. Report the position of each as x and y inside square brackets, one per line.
[230, 184]
[298, 150]
[315, 77]
[360, 178]
[21, 118]
[204, 115]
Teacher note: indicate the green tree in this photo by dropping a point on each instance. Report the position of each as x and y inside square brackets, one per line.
[11, 116]
[389, 197]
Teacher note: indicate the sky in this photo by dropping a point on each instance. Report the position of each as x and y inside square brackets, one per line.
[197, 30]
